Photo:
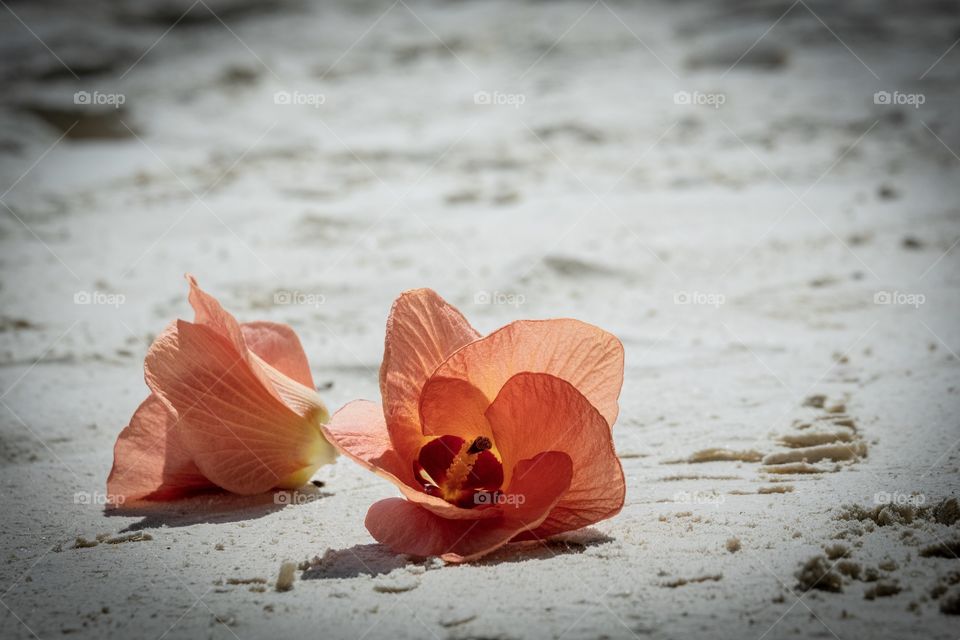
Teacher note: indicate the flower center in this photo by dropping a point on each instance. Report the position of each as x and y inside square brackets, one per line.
[462, 472]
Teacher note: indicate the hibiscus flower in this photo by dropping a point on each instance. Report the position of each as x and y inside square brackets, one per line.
[231, 406]
[489, 439]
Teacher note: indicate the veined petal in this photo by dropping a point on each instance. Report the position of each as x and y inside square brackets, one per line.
[449, 406]
[278, 346]
[422, 331]
[209, 312]
[150, 462]
[239, 434]
[586, 356]
[536, 412]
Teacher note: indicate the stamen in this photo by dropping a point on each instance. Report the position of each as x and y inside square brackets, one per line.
[455, 469]
[482, 443]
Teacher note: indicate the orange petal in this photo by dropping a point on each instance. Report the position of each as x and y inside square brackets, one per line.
[449, 406]
[272, 350]
[406, 527]
[422, 331]
[278, 346]
[149, 459]
[586, 356]
[536, 412]
[208, 312]
[359, 432]
[240, 435]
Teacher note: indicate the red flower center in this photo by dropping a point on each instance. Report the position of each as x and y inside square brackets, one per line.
[462, 472]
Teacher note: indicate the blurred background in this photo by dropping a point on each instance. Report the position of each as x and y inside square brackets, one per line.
[759, 197]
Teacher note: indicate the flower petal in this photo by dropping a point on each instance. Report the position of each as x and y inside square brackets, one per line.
[586, 356]
[278, 346]
[536, 412]
[150, 461]
[449, 406]
[208, 312]
[240, 435]
[406, 527]
[422, 331]
[359, 432]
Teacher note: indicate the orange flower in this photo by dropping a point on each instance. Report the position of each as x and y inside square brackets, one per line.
[490, 440]
[232, 406]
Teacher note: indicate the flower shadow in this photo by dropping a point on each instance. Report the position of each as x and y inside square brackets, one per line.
[215, 507]
[358, 560]
[377, 559]
[572, 543]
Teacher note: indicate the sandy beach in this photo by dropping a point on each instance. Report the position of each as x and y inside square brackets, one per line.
[759, 198]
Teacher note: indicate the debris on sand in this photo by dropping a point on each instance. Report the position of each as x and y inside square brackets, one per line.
[689, 476]
[776, 488]
[816, 401]
[797, 467]
[236, 581]
[944, 512]
[834, 452]
[83, 543]
[679, 582]
[887, 192]
[950, 604]
[816, 573]
[882, 589]
[395, 586]
[288, 573]
[733, 545]
[911, 242]
[944, 583]
[837, 551]
[139, 536]
[850, 569]
[719, 454]
[943, 549]
[947, 511]
[814, 438]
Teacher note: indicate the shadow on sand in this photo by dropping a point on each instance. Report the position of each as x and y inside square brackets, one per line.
[213, 508]
[377, 559]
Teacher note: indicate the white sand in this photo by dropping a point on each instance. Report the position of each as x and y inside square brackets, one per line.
[599, 198]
